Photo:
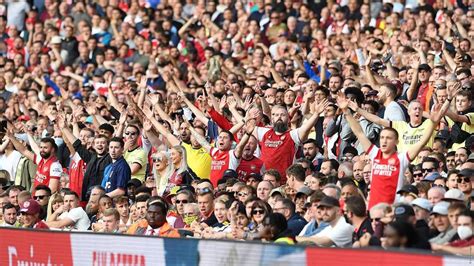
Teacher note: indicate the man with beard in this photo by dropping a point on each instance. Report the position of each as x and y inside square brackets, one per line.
[338, 233]
[49, 169]
[279, 145]
[95, 160]
[223, 158]
[387, 94]
[356, 214]
[250, 164]
[335, 85]
[460, 156]
[311, 152]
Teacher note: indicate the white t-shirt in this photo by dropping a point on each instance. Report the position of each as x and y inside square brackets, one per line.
[79, 217]
[10, 163]
[340, 235]
[394, 112]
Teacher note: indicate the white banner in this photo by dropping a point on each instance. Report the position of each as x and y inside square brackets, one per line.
[101, 250]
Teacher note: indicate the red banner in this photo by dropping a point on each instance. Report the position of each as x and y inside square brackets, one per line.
[22, 247]
[356, 257]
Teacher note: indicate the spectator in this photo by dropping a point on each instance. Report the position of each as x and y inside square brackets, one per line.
[117, 174]
[10, 216]
[295, 222]
[155, 223]
[49, 169]
[355, 213]
[338, 233]
[441, 223]
[111, 220]
[42, 195]
[30, 215]
[70, 215]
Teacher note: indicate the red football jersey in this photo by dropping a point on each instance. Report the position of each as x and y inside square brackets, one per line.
[221, 161]
[387, 175]
[278, 151]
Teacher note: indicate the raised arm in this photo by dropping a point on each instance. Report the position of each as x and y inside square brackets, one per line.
[371, 117]
[343, 103]
[306, 127]
[414, 81]
[172, 139]
[196, 111]
[20, 147]
[249, 128]
[201, 139]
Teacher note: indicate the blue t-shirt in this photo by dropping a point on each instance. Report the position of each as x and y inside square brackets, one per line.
[116, 175]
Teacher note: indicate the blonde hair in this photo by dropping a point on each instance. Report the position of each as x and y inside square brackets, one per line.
[161, 182]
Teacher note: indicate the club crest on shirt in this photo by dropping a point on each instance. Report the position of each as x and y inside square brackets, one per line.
[392, 161]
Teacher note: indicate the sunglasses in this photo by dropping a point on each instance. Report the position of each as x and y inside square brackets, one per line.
[204, 190]
[375, 219]
[258, 211]
[418, 175]
[39, 197]
[465, 179]
[130, 133]
[182, 201]
[157, 160]
[241, 194]
[428, 170]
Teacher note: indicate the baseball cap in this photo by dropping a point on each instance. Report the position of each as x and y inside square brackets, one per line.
[431, 177]
[453, 194]
[229, 173]
[328, 201]
[304, 190]
[30, 206]
[466, 172]
[134, 182]
[422, 203]
[408, 189]
[255, 176]
[403, 212]
[424, 67]
[278, 190]
[441, 208]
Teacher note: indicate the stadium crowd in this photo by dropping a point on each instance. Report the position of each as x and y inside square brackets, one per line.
[336, 123]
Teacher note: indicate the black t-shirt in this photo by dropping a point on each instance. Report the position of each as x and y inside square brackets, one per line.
[365, 227]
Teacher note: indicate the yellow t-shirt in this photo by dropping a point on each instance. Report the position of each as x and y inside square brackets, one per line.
[468, 127]
[198, 160]
[408, 135]
[139, 156]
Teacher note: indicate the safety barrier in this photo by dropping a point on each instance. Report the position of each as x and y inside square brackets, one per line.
[27, 247]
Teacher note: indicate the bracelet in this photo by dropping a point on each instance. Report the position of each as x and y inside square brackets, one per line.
[248, 134]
